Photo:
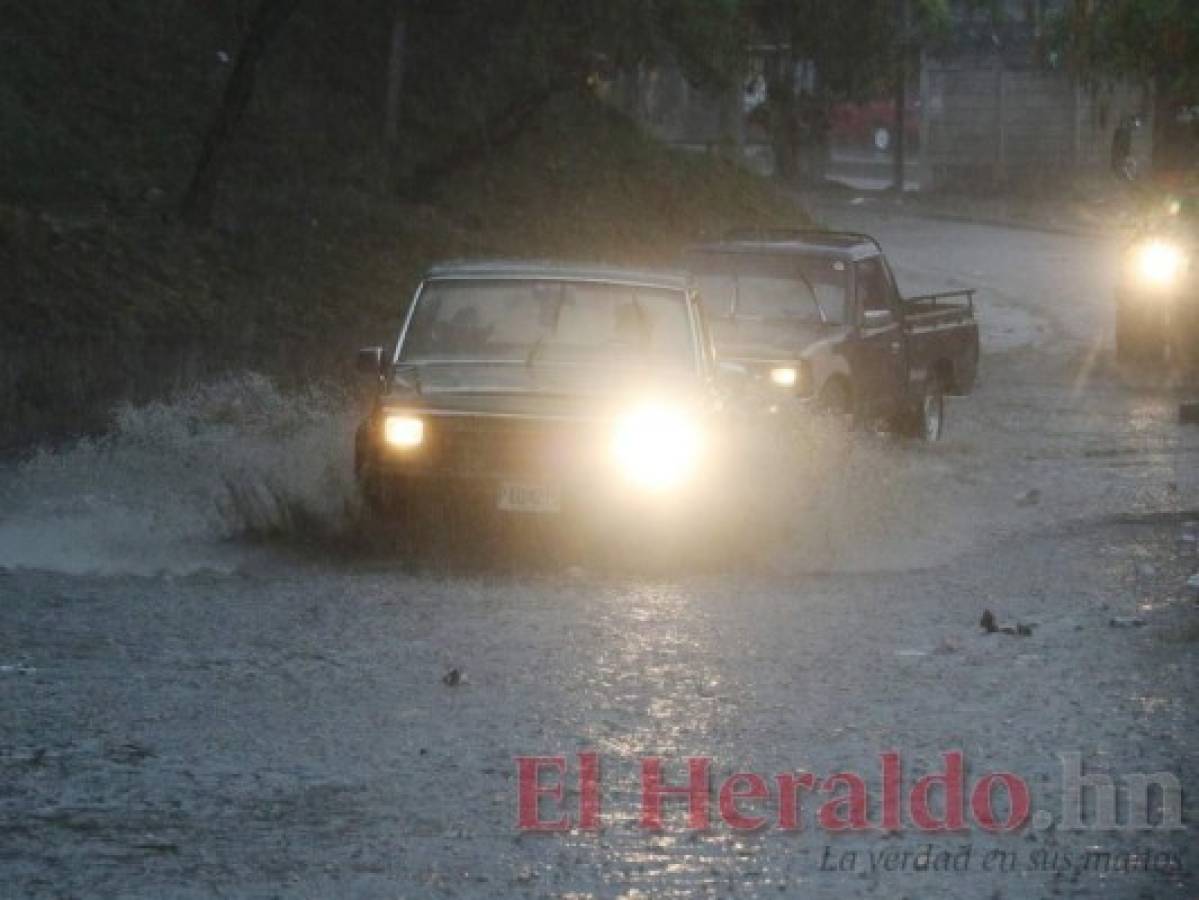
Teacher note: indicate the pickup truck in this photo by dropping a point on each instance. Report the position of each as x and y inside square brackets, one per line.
[818, 314]
[552, 393]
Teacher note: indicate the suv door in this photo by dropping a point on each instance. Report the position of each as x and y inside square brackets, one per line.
[880, 358]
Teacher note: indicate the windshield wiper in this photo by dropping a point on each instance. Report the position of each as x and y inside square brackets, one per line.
[535, 350]
[815, 299]
[415, 371]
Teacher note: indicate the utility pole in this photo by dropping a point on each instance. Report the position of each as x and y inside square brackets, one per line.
[395, 76]
[899, 157]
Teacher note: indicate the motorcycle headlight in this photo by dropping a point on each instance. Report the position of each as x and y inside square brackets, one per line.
[403, 432]
[657, 448]
[1159, 264]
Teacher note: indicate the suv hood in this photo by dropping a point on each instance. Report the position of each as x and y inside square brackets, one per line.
[545, 389]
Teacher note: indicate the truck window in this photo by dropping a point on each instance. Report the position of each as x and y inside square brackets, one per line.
[716, 283]
[771, 287]
[872, 286]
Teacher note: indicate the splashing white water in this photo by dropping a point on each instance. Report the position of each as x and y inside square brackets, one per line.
[858, 502]
[173, 481]
[176, 486]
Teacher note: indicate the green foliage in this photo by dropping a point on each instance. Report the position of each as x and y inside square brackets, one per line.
[851, 43]
[100, 102]
[1154, 40]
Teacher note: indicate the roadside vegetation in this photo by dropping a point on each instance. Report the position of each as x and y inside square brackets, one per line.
[318, 226]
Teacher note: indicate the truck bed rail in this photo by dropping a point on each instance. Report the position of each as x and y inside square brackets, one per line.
[935, 301]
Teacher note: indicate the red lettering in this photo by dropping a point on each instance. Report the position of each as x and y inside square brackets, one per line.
[589, 792]
[729, 795]
[852, 804]
[952, 784]
[789, 785]
[1018, 801]
[530, 792]
[652, 792]
[892, 775]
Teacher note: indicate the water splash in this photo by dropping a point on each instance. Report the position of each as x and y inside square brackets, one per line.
[172, 483]
[220, 474]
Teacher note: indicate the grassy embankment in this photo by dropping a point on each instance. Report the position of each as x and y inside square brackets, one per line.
[106, 295]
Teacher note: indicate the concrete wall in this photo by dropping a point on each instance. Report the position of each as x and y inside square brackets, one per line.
[677, 112]
[985, 121]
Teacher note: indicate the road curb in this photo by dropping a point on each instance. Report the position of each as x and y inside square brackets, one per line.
[1019, 224]
[883, 205]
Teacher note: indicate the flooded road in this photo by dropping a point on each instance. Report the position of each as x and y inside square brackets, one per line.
[186, 712]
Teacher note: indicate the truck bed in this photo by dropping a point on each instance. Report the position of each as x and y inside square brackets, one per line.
[943, 338]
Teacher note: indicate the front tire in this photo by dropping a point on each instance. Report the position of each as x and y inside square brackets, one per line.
[836, 402]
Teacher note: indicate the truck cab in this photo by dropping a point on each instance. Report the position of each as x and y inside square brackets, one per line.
[819, 314]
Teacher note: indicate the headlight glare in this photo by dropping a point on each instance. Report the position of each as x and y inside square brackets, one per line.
[404, 432]
[1159, 264]
[657, 448]
[784, 376]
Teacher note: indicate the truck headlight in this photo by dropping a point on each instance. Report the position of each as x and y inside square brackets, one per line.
[784, 376]
[657, 448]
[404, 432]
[1158, 263]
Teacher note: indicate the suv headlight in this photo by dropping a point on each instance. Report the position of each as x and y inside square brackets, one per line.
[797, 377]
[403, 432]
[784, 376]
[657, 448]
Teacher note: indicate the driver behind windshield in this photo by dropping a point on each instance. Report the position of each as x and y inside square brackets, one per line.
[529, 322]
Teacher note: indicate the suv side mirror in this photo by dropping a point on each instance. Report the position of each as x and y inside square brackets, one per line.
[877, 318]
[369, 360]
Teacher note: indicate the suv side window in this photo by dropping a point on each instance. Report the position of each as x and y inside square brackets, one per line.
[872, 286]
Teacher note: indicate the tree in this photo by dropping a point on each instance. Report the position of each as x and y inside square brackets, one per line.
[477, 72]
[457, 78]
[268, 20]
[1153, 41]
[820, 54]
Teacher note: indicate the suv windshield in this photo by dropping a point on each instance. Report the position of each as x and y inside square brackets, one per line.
[535, 322]
[772, 287]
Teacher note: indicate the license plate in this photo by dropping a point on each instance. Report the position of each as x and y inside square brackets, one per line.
[529, 497]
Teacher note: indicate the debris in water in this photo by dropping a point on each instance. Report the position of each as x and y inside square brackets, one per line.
[1188, 413]
[1193, 584]
[1017, 630]
[1029, 498]
[1127, 622]
[990, 625]
[129, 754]
[452, 678]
